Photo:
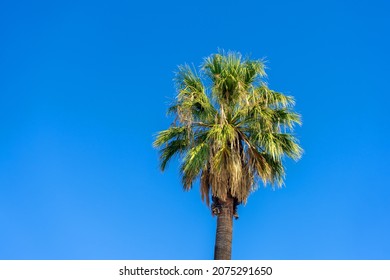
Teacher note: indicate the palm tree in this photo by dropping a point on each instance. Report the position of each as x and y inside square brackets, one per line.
[230, 130]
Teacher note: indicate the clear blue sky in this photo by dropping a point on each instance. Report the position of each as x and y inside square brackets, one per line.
[84, 87]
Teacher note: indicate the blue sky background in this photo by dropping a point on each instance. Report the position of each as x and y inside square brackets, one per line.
[84, 87]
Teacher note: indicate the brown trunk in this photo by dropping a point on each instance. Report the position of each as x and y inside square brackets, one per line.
[223, 239]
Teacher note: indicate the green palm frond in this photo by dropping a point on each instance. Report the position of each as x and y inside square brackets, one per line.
[174, 132]
[286, 118]
[277, 172]
[174, 140]
[172, 148]
[194, 162]
[252, 70]
[272, 98]
[192, 103]
[279, 144]
[231, 76]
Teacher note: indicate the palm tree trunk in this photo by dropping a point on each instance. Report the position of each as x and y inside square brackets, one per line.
[224, 235]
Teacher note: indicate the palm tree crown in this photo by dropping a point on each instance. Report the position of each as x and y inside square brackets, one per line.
[230, 129]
